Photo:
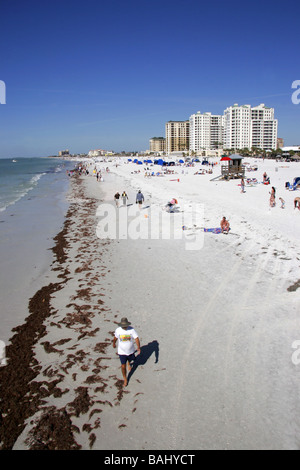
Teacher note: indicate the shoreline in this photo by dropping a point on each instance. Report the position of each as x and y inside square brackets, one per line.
[22, 394]
[27, 231]
[227, 359]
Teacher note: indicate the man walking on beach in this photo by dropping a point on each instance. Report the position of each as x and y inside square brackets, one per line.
[139, 198]
[127, 338]
[117, 197]
[124, 197]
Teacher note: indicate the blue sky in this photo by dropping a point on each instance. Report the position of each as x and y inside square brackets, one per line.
[109, 74]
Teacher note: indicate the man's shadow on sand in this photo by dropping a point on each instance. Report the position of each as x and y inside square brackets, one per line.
[142, 358]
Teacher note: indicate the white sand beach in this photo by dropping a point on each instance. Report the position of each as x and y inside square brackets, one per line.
[217, 316]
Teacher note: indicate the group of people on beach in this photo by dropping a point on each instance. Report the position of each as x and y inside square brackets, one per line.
[139, 198]
[272, 200]
[124, 197]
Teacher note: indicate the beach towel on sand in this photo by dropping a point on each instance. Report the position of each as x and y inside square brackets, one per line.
[213, 230]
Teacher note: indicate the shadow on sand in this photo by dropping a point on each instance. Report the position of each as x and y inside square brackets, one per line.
[142, 358]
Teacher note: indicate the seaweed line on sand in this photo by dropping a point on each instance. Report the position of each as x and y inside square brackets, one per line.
[20, 396]
[16, 400]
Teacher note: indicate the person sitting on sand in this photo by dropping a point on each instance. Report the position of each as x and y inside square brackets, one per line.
[266, 179]
[126, 336]
[297, 202]
[225, 226]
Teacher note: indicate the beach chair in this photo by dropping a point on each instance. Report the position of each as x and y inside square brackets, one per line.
[295, 184]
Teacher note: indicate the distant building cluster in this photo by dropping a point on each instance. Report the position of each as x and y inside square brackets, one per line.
[100, 153]
[240, 127]
[64, 153]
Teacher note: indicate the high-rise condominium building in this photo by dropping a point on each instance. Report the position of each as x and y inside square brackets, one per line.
[237, 127]
[246, 127]
[263, 127]
[157, 144]
[206, 131]
[177, 136]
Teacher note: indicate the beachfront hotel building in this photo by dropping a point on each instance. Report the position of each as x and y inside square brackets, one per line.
[239, 127]
[263, 127]
[177, 136]
[206, 131]
[64, 153]
[246, 127]
[157, 144]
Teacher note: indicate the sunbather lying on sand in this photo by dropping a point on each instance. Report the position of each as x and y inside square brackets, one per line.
[171, 205]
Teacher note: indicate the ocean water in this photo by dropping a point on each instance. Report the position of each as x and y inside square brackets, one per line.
[33, 205]
[20, 176]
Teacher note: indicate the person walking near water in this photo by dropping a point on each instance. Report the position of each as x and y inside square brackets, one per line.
[127, 339]
[139, 198]
[124, 197]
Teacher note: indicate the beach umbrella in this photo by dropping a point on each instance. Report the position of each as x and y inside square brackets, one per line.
[296, 180]
[223, 159]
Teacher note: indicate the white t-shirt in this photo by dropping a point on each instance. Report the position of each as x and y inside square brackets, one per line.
[126, 339]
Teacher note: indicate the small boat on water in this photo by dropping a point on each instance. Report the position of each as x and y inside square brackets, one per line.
[14, 161]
